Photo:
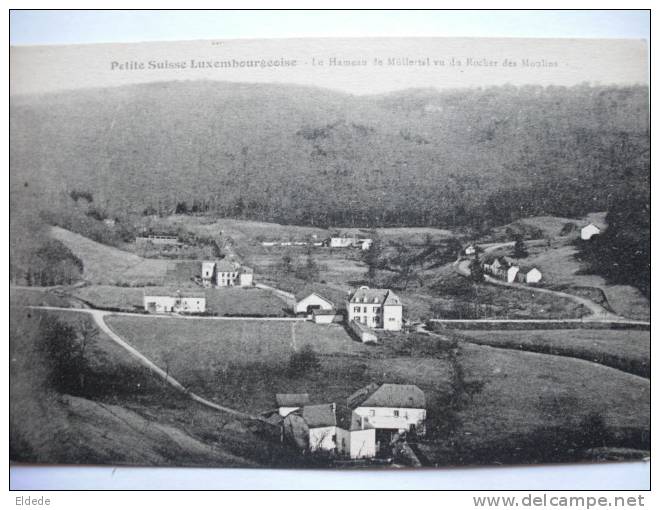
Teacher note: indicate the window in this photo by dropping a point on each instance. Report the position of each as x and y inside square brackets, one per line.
[396, 413]
[376, 309]
[365, 309]
[391, 319]
[372, 412]
[356, 309]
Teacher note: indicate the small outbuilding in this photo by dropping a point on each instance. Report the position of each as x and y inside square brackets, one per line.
[588, 231]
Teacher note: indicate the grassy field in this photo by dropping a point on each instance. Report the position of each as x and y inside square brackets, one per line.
[626, 350]
[35, 297]
[529, 407]
[107, 265]
[124, 416]
[244, 363]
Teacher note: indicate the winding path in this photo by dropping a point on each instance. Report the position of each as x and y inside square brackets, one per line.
[99, 319]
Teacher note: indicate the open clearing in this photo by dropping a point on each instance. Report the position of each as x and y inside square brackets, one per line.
[626, 350]
[107, 265]
[243, 364]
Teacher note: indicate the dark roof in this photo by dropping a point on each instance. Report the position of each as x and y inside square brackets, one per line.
[291, 399]
[388, 395]
[367, 295]
[334, 296]
[321, 415]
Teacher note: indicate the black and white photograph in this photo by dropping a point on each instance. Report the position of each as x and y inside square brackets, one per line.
[360, 253]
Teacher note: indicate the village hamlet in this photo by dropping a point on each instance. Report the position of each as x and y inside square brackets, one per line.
[375, 267]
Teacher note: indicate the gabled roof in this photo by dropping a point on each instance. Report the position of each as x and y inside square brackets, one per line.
[388, 395]
[291, 399]
[330, 294]
[380, 296]
[320, 415]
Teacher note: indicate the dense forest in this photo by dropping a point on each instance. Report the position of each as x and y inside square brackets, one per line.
[309, 156]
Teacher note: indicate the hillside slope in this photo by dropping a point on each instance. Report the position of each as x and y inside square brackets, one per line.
[310, 156]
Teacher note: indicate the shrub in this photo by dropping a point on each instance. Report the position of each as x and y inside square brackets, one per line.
[303, 361]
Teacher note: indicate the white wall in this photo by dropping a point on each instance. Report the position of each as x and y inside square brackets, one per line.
[245, 279]
[172, 304]
[392, 317]
[285, 411]
[322, 438]
[383, 417]
[356, 444]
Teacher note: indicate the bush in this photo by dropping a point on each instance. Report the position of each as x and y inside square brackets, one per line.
[303, 361]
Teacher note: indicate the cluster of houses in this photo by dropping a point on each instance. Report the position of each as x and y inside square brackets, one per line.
[225, 273]
[511, 271]
[364, 309]
[331, 242]
[370, 420]
[161, 240]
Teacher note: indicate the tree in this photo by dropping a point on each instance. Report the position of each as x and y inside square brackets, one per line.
[303, 361]
[371, 257]
[519, 248]
[476, 271]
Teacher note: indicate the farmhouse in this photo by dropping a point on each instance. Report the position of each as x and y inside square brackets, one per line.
[391, 408]
[588, 231]
[376, 309]
[324, 428]
[529, 275]
[308, 302]
[312, 428]
[342, 242]
[511, 273]
[356, 438]
[289, 402]
[158, 239]
[245, 276]
[166, 300]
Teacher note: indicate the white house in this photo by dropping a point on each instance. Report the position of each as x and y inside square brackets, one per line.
[356, 438]
[226, 273]
[310, 302]
[365, 244]
[511, 273]
[245, 276]
[164, 301]
[395, 408]
[342, 242]
[589, 231]
[312, 428]
[289, 402]
[470, 250]
[376, 309]
[529, 275]
[208, 273]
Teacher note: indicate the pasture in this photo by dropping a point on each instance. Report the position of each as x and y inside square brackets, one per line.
[107, 265]
[244, 363]
[627, 350]
[528, 407]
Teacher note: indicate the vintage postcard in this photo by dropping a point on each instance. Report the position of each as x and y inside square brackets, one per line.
[330, 253]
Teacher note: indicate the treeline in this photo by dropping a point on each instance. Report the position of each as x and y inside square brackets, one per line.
[35, 258]
[307, 156]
